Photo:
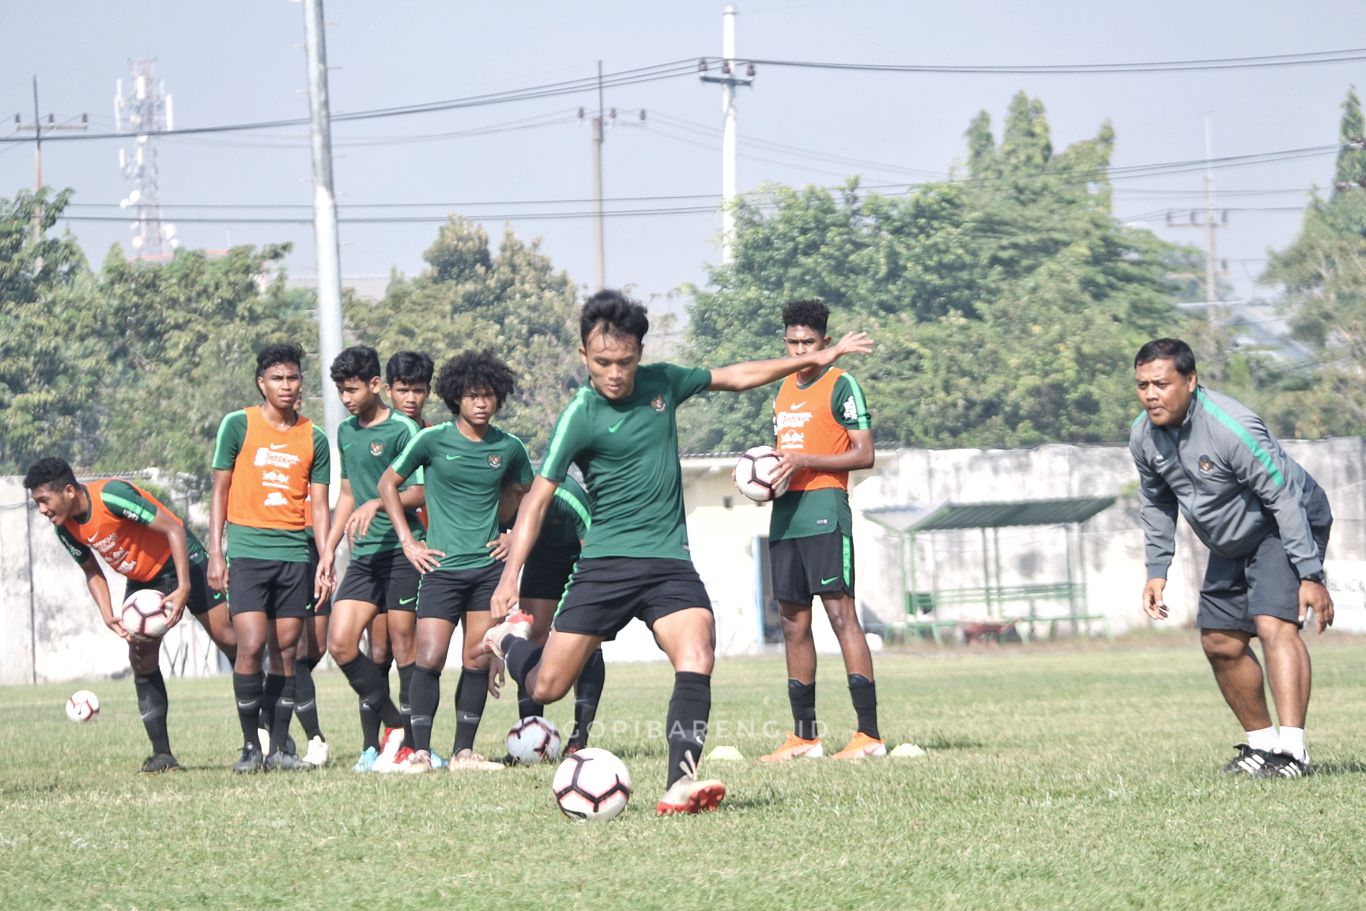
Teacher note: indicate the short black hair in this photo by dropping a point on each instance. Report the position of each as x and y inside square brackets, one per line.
[1167, 349]
[808, 312]
[285, 353]
[411, 367]
[359, 362]
[616, 313]
[474, 371]
[50, 472]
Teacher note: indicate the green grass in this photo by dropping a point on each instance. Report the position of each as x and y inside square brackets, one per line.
[1068, 776]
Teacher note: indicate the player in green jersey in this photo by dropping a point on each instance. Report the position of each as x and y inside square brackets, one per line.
[466, 464]
[379, 579]
[620, 430]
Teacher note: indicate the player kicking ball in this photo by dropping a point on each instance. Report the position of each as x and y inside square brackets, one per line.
[145, 542]
[621, 431]
[379, 577]
[466, 464]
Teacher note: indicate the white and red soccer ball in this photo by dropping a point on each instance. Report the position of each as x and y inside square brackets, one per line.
[144, 614]
[533, 740]
[82, 705]
[753, 474]
[592, 785]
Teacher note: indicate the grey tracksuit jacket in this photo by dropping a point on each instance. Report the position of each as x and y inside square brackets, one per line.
[1231, 480]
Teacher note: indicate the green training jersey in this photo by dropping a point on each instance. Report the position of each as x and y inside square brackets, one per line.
[566, 521]
[365, 453]
[464, 480]
[820, 430]
[628, 453]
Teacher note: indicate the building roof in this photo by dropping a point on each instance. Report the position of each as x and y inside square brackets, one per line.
[913, 518]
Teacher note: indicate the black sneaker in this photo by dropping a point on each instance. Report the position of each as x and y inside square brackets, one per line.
[160, 762]
[1283, 765]
[280, 761]
[249, 761]
[1247, 762]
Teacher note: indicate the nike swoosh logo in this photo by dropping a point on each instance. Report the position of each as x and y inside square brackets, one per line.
[617, 426]
[795, 405]
[828, 581]
[278, 445]
[452, 457]
[407, 600]
[346, 447]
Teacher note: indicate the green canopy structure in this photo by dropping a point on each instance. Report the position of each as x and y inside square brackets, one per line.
[923, 605]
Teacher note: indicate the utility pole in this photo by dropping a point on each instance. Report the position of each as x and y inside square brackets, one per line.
[38, 128]
[326, 243]
[728, 82]
[599, 230]
[1206, 223]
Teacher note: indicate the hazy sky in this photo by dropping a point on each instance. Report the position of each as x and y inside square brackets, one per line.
[227, 63]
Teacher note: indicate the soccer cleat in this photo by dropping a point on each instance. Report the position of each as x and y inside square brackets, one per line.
[518, 623]
[688, 795]
[438, 762]
[1247, 762]
[366, 762]
[249, 761]
[391, 743]
[861, 747]
[470, 761]
[319, 753]
[419, 762]
[1284, 765]
[280, 761]
[795, 747]
[160, 762]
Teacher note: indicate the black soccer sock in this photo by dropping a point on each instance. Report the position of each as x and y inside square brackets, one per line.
[689, 709]
[275, 685]
[520, 656]
[803, 699]
[383, 667]
[375, 706]
[153, 703]
[249, 691]
[864, 694]
[284, 713]
[526, 706]
[405, 686]
[471, 694]
[587, 694]
[426, 700]
[306, 699]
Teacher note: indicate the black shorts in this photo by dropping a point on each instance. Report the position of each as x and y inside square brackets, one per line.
[317, 610]
[278, 588]
[817, 565]
[385, 579]
[202, 598]
[546, 573]
[605, 593]
[449, 594]
[1263, 583]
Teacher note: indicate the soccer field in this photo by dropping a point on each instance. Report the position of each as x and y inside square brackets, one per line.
[1057, 776]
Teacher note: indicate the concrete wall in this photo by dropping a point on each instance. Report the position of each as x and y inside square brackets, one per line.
[58, 615]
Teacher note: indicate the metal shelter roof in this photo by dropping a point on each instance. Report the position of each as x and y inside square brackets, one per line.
[914, 519]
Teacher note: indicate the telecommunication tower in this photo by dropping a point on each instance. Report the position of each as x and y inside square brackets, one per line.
[142, 107]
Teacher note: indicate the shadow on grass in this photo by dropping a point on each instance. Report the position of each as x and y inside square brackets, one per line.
[945, 743]
[1351, 767]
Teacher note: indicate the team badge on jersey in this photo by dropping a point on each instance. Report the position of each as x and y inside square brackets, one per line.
[495, 461]
[376, 447]
[1206, 464]
[657, 403]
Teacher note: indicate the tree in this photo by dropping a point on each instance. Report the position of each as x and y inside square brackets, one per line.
[512, 300]
[1323, 274]
[1007, 304]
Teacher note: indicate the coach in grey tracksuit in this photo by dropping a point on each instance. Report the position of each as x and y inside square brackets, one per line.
[1266, 523]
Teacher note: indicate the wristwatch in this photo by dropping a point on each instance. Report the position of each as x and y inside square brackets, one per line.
[1313, 577]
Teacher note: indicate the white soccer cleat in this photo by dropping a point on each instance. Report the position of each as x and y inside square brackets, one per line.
[419, 762]
[518, 623]
[319, 753]
[468, 760]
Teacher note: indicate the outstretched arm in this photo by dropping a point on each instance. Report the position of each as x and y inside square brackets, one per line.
[751, 374]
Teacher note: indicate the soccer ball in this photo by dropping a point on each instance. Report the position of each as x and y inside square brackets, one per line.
[82, 705]
[144, 615]
[753, 474]
[533, 740]
[592, 784]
